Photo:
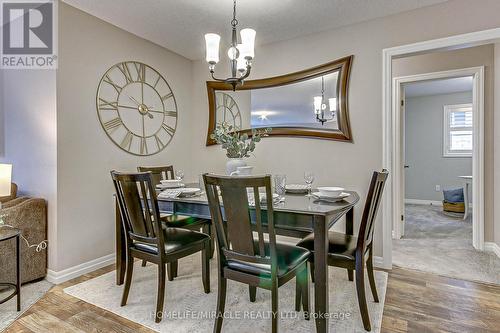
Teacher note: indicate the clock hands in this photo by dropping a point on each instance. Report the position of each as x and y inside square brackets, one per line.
[143, 109]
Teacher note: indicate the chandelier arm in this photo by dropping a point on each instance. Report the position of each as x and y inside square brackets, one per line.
[214, 78]
[247, 73]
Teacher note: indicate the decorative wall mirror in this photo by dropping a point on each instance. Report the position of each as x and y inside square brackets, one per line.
[309, 103]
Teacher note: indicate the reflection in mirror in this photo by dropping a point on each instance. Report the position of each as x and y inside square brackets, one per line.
[307, 104]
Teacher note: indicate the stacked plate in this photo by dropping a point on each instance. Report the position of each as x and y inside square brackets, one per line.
[170, 183]
[331, 194]
[296, 188]
[180, 192]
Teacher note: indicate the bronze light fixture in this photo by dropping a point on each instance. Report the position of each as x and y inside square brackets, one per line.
[322, 115]
[240, 54]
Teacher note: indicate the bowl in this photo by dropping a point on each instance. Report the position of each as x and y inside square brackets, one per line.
[330, 191]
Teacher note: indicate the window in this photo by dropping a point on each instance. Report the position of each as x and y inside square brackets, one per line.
[457, 130]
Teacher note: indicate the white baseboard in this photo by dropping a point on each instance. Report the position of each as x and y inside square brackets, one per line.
[492, 247]
[379, 262]
[423, 202]
[78, 270]
[427, 202]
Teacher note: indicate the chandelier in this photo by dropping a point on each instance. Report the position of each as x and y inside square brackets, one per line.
[240, 54]
[322, 115]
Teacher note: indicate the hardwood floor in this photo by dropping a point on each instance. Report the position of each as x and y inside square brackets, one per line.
[415, 302]
[423, 302]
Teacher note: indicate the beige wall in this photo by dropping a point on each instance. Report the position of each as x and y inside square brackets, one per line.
[346, 164]
[87, 48]
[28, 136]
[471, 57]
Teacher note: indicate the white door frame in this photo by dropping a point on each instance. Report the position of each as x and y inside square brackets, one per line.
[453, 42]
[477, 74]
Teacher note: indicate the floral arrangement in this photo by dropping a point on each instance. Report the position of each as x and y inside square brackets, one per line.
[237, 145]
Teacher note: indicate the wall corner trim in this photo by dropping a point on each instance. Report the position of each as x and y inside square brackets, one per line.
[492, 247]
[58, 277]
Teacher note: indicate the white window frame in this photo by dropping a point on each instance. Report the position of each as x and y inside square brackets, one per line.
[446, 131]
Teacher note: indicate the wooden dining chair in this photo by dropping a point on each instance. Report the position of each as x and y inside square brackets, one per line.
[249, 260]
[351, 252]
[148, 238]
[160, 173]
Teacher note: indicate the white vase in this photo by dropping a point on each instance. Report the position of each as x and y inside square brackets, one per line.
[233, 163]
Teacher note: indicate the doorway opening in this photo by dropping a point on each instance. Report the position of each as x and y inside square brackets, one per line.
[439, 115]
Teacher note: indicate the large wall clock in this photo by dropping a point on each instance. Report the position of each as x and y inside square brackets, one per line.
[136, 108]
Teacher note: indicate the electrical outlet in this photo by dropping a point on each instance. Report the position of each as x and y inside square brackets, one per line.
[438, 188]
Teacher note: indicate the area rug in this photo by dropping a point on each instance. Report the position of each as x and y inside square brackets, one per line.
[30, 294]
[437, 243]
[189, 309]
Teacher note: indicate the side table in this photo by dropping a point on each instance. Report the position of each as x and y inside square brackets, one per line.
[6, 234]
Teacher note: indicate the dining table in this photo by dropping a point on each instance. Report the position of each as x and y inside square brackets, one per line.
[296, 216]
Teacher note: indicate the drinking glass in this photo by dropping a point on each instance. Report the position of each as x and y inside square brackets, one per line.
[201, 183]
[309, 179]
[179, 175]
[280, 184]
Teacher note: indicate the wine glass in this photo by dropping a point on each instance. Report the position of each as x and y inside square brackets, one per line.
[179, 175]
[309, 179]
[280, 185]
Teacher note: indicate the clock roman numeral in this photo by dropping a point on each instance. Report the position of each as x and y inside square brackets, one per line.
[144, 146]
[157, 81]
[127, 141]
[170, 131]
[170, 113]
[167, 96]
[141, 72]
[117, 87]
[125, 71]
[105, 105]
[111, 125]
[159, 143]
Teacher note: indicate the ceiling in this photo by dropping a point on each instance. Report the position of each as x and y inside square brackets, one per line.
[438, 87]
[179, 25]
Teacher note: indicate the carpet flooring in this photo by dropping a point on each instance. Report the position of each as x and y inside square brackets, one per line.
[30, 294]
[438, 243]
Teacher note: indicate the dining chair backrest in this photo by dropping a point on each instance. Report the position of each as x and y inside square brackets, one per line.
[139, 208]
[233, 219]
[373, 199]
[159, 173]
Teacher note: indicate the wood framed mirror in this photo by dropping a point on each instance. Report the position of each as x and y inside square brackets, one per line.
[286, 103]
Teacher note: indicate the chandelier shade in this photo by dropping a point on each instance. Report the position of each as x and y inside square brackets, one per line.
[212, 48]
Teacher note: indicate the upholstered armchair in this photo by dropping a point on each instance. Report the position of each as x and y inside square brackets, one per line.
[30, 216]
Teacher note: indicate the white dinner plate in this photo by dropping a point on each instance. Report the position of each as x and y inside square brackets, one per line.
[296, 188]
[189, 191]
[166, 186]
[342, 196]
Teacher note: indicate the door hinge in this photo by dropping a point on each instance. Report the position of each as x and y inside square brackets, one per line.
[402, 102]
[402, 217]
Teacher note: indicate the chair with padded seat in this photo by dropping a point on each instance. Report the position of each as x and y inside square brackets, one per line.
[147, 237]
[160, 173]
[350, 252]
[248, 259]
